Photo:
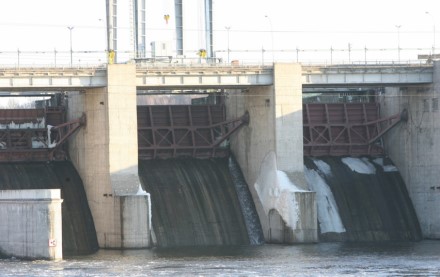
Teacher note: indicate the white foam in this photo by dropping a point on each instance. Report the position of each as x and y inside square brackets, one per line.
[328, 213]
[362, 166]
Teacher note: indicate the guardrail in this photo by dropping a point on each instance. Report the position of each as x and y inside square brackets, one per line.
[85, 58]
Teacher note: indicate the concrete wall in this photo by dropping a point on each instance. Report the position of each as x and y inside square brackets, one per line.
[105, 155]
[275, 129]
[415, 146]
[31, 225]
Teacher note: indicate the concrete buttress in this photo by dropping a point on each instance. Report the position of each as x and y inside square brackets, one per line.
[270, 153]
[414, 146]
[105, 155]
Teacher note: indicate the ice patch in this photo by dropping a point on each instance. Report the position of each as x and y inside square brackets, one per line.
[38, 143]
[328, 213]
[141, 191]
[323, 167]
[362, 166]
[276, 191]
[50, 144]
[386, 168]
[39, 123]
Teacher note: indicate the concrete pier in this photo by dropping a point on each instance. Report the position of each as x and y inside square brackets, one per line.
[31, 225]
[414, 147]
[105, 155]
[271, 141]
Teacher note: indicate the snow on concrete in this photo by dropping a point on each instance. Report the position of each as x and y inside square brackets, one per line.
[277, 191]
[328, 213]
[359, 165]
[386, 168]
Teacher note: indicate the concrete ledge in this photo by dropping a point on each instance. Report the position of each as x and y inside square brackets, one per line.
[31, 224]
[136, 221]
[33, 194]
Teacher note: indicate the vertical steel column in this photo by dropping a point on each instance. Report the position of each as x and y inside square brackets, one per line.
[140, 28]
[208, 29]
[179, 26]
[112, 14]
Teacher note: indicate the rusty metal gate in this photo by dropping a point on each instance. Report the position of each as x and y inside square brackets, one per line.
[345, 129]
[35, 134]
[183, 130]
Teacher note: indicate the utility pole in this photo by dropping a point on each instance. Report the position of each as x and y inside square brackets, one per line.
[228, 28]
[433, 32]
[398, 42]
[71, 49]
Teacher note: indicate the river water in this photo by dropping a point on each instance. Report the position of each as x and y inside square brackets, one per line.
[323, 259]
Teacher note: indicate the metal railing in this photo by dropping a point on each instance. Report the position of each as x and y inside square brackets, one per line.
[235, 57]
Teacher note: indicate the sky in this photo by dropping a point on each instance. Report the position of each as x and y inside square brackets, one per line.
[30, 25]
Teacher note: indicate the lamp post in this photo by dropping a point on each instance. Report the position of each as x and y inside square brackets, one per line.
[71, 51]
[433, 32]
[271, 35]
[398, 42]
[227, 29]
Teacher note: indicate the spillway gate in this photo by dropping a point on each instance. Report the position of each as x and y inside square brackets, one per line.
[172, 131]
[345, 129]
[35, 134]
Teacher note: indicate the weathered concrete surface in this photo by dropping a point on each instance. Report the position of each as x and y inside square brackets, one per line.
[305, 228]
[31, 224]
[414, 147]
[136, 219]
[275, 127]
[105, 155]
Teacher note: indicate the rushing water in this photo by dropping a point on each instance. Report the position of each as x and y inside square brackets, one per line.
[323, 259]
[195, 203]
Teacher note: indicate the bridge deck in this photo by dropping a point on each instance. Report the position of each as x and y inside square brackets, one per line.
[213, 76]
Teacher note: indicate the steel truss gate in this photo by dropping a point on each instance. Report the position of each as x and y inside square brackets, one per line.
[345, 129]
[172, 131]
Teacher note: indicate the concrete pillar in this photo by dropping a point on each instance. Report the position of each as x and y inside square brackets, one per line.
[289, 120]
[105, 155]
[414, 147]
[31, 224]
[272, 146]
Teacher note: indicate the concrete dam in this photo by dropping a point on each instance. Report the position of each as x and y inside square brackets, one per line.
[252, 168]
